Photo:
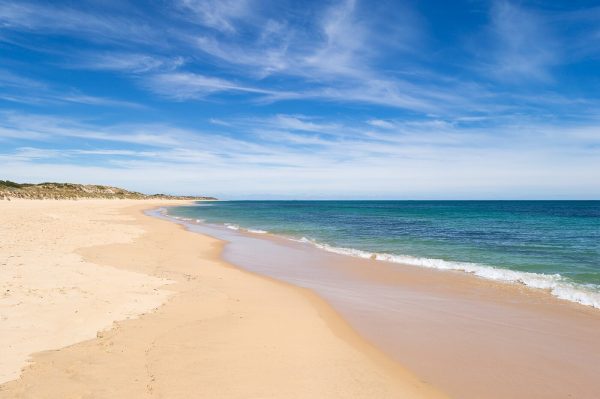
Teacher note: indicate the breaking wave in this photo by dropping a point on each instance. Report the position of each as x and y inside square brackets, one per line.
[585, 294]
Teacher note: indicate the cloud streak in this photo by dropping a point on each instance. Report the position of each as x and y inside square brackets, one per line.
[94, 24]
[184, 86]
[346, 96]
[342, 54]
[302, 148]
[222, 15]
[525, 46]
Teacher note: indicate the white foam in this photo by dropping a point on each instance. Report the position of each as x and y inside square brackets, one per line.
[257, 231]
[558, 286]
[304, 240]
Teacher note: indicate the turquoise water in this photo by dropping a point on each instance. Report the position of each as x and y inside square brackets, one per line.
[544, 244]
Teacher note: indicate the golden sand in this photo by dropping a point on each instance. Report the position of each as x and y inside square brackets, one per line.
[74, 267]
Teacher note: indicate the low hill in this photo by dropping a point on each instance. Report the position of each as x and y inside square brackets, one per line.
[9, 189]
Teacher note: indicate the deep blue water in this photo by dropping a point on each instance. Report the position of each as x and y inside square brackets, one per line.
[559, 241]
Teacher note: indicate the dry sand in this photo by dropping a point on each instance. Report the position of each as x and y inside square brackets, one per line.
[71, 268]
[50, 296]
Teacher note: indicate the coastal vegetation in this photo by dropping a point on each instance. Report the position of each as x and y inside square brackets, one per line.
[50, 190]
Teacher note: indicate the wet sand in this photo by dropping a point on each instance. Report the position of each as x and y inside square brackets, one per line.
[471, 338]
[210, 330]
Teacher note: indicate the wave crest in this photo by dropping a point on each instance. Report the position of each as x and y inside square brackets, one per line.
[558, 286]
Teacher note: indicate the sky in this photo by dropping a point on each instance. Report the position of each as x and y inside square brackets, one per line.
[285, 99]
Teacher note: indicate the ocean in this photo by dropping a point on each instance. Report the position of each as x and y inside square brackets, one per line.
[552, 245]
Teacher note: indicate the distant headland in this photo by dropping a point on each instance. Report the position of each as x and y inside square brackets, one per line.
[9, 189]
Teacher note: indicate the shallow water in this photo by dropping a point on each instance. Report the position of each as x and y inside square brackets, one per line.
[543, 244]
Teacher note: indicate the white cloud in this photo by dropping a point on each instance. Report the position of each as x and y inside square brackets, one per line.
[12, 80]
[94, 100]
[345, 45]
[333, 56]
[127, 62]
[221, 15]
[461, 136]
[95, 25]
[523, 45]
[20, 89]
[185, 85]
[412, 160]
[31, 127]
[380, 123]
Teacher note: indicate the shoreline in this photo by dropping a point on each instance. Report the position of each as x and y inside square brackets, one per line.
[554, 284]
[470, 337]
[222, 332]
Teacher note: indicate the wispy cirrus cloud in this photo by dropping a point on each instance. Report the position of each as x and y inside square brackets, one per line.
[222, 15]
[333, 56]
[9, 79]
[24, 90]
[524, 45]
[185, 86]
[408, 157]
[134, 63]
[93, 24]
[380, 123]
[344, 48]
[43, 128]
[341, 56]
[288, 94]
[329, 57]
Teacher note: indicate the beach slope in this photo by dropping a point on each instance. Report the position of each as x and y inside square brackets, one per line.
[174, 320]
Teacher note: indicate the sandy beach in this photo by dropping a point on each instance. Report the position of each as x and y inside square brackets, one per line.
[470, 337]
[101, 301]
[299, 200]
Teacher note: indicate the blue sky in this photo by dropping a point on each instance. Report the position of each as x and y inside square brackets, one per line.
[275, 99]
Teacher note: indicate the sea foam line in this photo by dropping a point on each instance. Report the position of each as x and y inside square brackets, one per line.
[232, 226]
[236, 227]
[556, 284]
[256, 231]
